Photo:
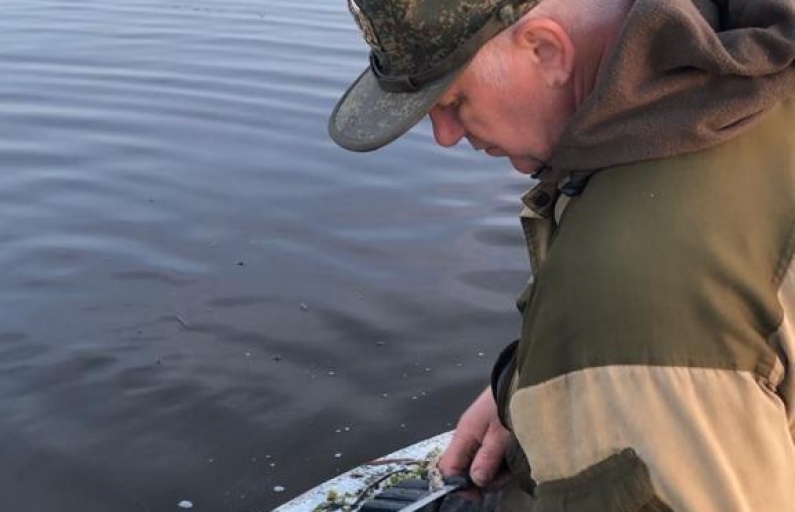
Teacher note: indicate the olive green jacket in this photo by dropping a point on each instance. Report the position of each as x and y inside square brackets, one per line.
[656, 367]
[658, 341]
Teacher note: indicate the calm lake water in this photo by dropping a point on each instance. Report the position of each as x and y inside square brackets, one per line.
[201, 297]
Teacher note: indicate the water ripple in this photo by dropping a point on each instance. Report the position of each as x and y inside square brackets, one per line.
[196, 281]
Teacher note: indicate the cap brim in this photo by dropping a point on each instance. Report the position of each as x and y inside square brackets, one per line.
[367, 117]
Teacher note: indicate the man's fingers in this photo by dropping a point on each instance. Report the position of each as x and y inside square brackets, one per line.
[459, 455]
[478, 444]
[489, 458]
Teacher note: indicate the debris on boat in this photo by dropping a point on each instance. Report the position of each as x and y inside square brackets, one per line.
[390, 473]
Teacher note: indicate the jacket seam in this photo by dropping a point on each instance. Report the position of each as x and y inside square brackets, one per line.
[787, 259]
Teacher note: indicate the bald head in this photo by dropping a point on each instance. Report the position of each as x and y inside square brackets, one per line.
[582, 15]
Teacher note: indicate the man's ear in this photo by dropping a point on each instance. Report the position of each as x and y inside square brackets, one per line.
[549, 47]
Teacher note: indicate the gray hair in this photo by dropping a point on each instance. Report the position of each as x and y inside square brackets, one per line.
[491, 65]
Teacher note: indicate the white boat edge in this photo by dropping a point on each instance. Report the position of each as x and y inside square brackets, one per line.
[354, 481]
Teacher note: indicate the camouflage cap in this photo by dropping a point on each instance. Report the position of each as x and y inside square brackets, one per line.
[417, 49]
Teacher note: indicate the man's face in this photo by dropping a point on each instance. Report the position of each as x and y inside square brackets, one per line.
[503, 106]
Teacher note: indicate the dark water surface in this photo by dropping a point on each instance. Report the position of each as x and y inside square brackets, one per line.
[201, 297]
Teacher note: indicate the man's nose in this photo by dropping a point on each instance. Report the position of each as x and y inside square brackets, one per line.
[447, 130]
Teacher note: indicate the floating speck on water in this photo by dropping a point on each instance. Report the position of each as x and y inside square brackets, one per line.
[481, 354]
[248, 354]
[414, 397]
[347, 429]
[304, 306]
[380, 343]
[385, 395]
[337, 455]
[427, 370]
[279, 488]
[210, 461]
[272, 464]
[277, 358]
[241, 264]
[331, 373]
[459, 365]
[338, 431]
[185, 504]
[402, 425]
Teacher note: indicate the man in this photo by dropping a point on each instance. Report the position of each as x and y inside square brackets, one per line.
[655, 366]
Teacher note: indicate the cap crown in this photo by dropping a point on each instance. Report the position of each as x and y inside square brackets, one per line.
[411, 37]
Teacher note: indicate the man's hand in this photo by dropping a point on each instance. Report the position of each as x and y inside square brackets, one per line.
[479, 443]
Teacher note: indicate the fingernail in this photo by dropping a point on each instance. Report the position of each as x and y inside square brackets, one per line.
[480, 477]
